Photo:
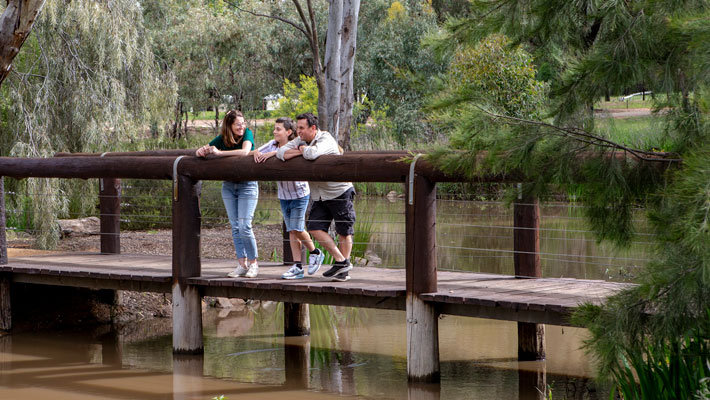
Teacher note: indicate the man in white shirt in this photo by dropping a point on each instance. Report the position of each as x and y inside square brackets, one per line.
[331, 200]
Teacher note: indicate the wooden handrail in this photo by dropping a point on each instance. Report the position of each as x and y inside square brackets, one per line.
[356, 167]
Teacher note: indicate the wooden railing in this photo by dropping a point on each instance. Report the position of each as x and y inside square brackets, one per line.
[186, 172]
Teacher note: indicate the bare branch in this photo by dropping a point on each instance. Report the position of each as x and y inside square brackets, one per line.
[276, 17]
[301, 14]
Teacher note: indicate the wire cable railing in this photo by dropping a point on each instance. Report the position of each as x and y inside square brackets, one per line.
[466, 230]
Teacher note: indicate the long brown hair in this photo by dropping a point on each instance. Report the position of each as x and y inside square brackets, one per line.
[228, 137]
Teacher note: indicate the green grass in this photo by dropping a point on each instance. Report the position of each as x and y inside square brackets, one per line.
[634, 102]
[638, 132]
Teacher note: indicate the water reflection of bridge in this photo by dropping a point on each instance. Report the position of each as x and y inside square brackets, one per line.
[419, 289]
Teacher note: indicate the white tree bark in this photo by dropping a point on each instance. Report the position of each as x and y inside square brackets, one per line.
[15, 26]
[332, 66]
[351, 10]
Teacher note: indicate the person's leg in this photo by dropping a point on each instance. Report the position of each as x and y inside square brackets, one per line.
[296, 222]
[295, 246]
[324, 239]
[229, 198]
[294, 215]
[345, 245]
[247, 200]
[343, 211]
[304, 238]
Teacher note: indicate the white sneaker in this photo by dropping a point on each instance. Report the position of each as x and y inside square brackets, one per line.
[253, 270]
[314, 262]
[239, 271]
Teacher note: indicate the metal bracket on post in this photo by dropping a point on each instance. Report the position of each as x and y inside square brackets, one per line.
[411, 178]
[101, 180]
[175, 178]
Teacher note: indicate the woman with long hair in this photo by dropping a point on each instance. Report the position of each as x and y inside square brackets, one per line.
[239, 198]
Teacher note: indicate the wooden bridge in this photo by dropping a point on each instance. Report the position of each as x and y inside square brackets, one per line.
[419, 289]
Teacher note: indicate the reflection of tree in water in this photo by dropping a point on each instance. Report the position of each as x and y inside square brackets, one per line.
[334, 356]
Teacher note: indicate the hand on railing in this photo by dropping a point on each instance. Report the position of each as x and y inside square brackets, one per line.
[206, 150]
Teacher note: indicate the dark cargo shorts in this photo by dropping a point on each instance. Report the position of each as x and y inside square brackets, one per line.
[340, 209]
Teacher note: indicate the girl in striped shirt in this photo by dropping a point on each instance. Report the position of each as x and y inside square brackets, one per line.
[293, 196]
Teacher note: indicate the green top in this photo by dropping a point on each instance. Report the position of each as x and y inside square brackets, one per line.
[219, 143]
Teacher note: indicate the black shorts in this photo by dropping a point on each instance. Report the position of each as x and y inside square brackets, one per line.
[340, 209]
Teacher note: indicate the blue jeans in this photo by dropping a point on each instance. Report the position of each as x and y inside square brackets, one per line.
[294, 212]
[240, 200]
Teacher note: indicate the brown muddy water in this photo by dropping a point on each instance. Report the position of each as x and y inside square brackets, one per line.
[350, 352]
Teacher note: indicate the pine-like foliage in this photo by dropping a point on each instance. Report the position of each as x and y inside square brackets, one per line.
[652, 340]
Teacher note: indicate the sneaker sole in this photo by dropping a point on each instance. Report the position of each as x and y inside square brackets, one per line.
[339, 271]
[334, 279]
[292, 277]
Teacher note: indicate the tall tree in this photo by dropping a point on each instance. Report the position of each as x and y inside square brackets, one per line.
[334, 74]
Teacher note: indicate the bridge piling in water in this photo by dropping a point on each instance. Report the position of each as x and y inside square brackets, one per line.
[526, 244]
[5, 279]
[187, 300]
[422, 317]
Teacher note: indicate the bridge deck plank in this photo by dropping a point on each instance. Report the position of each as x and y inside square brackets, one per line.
[547, 300]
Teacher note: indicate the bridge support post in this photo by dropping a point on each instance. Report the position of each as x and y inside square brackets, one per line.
[526, 243]
[5, 278]
[422, 317]
[297, 356]
[187, 301]
[297, 321]
[110, 215]
[188, 372]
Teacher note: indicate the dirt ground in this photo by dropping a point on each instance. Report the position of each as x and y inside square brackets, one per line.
[214, 242]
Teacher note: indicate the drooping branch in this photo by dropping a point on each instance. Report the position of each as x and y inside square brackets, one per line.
[589, 138]
[15, 26]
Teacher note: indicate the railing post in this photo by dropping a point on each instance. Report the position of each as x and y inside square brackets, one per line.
[288, 256]
[422, 317]
[110, 215]
[526, 244]
[3, 238]
[5, 278]
[187, 307]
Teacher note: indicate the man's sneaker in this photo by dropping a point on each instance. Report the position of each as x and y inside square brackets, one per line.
[314, 262]
[338, 268]
[239, 271]
[293, 273]
[253, 270]
[341, 277]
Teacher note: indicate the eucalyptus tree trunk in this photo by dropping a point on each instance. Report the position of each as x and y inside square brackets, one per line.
[332, 67]
[351, 9]
[334, 75]
[339, 63]
[15, 26]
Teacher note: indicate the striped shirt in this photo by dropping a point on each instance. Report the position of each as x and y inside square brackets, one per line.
[288, 190]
